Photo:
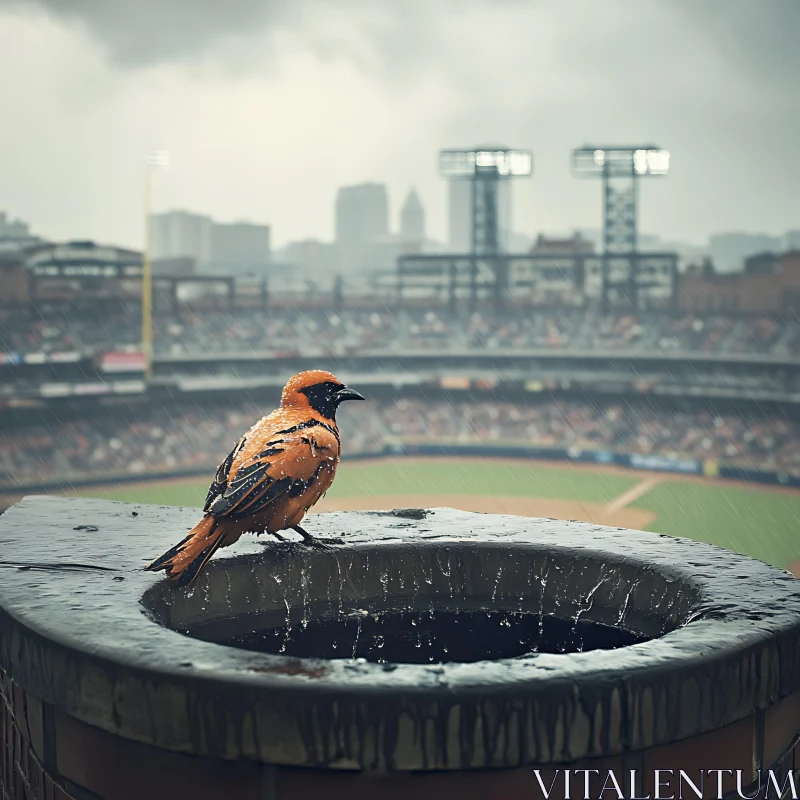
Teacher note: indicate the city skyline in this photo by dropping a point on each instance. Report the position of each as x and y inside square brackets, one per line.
[269, 107]
[727, 250]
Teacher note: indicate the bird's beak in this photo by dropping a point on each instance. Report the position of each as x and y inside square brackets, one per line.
[346, 393]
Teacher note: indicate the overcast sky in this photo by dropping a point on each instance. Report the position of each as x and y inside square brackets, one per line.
[268, 106]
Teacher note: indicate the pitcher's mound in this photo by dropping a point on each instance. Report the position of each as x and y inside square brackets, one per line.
[600, 513]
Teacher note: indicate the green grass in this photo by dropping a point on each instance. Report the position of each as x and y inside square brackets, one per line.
[759, 523]
[452, 477]
[753, 521]
[191, 492]
[478, 478]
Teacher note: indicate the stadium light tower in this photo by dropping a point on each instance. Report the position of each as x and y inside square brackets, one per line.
[485, 167]
[158, 159]
[620, 168]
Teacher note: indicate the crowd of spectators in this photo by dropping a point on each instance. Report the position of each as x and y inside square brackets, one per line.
[199, 438]
[767, 442]
[58, 330]
[351, 331]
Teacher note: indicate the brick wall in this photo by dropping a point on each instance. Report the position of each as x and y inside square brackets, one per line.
[777, 293]
[23, 775]
[47, 755]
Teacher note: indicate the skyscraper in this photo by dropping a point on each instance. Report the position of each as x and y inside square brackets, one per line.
[362, 220]
[362, 214]
[234, 248]
[412, 220]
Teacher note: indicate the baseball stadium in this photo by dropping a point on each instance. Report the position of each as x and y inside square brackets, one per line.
[573, 487]
[657, 419]
[553, 551]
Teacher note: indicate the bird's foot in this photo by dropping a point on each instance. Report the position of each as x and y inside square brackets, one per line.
[321, 544]
[311, 541]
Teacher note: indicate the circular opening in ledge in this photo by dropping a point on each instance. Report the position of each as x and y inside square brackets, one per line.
[430, 602]
[405, 636]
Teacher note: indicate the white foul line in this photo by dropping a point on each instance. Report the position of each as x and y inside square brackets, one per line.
[626, 498]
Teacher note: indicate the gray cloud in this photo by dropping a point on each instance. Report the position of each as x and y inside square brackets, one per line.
[758, 40]
[400, 39]
[149, 31]
[152, 31]
[714, 81]
[403, 39]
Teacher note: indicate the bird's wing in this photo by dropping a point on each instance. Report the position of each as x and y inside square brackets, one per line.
[269, 464]
[220, 483]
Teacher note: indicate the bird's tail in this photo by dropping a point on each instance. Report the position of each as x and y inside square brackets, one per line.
[184, 562]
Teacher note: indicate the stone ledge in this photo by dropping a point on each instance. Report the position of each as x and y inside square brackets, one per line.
[73, 634]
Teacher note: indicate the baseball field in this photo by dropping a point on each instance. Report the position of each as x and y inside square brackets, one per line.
[757, 521]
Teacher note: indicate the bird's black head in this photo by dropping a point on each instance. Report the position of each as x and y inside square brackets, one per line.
[325, 397]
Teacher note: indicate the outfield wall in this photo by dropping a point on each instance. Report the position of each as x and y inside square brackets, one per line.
[709, 468]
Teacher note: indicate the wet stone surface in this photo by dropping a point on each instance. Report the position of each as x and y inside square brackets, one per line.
[579, 640]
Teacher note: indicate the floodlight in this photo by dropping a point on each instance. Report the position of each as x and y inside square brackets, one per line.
[620, 161]
[619, 167]
[500, 161]
[484, 166]
[651, 162]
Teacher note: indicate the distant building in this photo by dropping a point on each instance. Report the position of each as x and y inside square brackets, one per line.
[15, 235]
[235, 248]
[728, 251]
[573, 244]
[361, 220]
[594, 235]
[768, 285]
[762, 264]
[459, 215]
[240, 248]
[704, 269]
[382, 254]
[311, 255]
[791, 240]
[83, 269]
[12, 229]
[181, 234]
[362, 214]
[412, 221]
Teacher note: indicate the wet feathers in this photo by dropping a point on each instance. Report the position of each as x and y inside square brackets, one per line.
[274, 474]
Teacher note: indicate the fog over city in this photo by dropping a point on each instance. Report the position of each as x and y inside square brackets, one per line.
[269, 107]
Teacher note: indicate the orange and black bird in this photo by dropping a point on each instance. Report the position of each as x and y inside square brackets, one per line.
[280, 468]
